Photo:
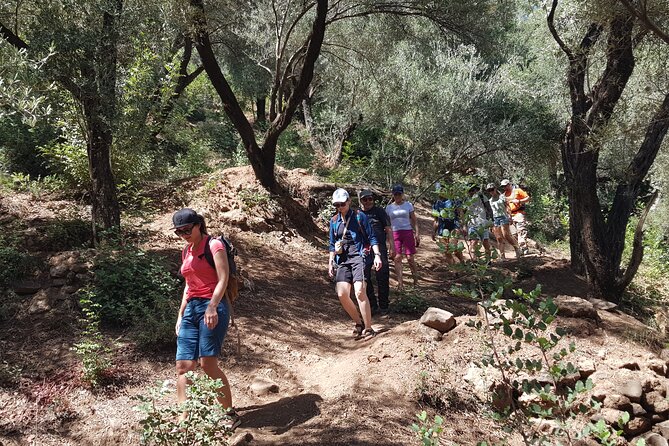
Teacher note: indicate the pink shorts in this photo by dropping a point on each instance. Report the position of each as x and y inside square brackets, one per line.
[405, 243]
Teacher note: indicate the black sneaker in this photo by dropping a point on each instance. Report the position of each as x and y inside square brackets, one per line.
[357, 330]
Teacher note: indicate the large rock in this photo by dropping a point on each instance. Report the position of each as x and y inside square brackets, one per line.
[658, 366]
[656, 440]
[602, 304]
[655, 402]
[40, 303]
[572, 306]
[611, 416]
[637, 426]
[438, 319]
[620, 402]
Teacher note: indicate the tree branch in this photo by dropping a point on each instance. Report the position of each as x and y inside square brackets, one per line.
[12, 38]
[642, 15]
[550, 19]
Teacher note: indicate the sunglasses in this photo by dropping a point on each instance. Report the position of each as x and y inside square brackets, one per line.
[339, 205]
[185, 230]
[367, 199]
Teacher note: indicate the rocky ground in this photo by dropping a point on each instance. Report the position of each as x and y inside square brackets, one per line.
[298, 377]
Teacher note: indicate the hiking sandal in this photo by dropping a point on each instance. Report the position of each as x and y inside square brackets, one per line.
[369, 333]
[233, 421]
[357, 330]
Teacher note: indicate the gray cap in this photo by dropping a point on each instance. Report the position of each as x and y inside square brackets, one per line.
[489, 186]
[504, 182]
[365, 193]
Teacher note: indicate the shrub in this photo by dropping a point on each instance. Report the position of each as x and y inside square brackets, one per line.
[68, 233]
[14, 264]
[94, 354]
[204, 421]
[138, 292]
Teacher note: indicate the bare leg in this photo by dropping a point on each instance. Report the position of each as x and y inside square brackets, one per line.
[486, 246]
[183, 367]
[414, 270]
[363, 303]
[473, 244]
[210, 366]
[497, 230]
[398, 271]
[344, 293]
[506, 230]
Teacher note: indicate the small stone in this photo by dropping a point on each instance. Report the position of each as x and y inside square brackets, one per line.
[664, 428]
[637, 426]
[658, 366]
[638, 410]
[655, 402]
[430, 334]
[438, 319]
[40, 303]
[586, 367]
[656, 440]
[601, 304]
[664, 354]
[59, 271]
[572, 306]
[611, 416]
[373, 358]
[241, 439]
[262, 386]
[620, 402]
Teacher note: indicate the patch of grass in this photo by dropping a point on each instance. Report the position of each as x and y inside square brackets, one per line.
[409, 301]
[68, 233]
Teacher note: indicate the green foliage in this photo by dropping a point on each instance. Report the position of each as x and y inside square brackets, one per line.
[252, 198]
[293, 152]
[548, 217]
[63, 234]
[14, 263]
[194, 162]
[409, 301]
[92, 349]
[200, 420]
[527, 323]
[18, 145]
[136, 291]
[428, 431]
[69, 161]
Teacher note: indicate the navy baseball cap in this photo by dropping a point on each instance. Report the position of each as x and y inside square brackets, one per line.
[185, 217]
[398, 189]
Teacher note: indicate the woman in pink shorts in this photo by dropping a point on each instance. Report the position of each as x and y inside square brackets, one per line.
[405, 233]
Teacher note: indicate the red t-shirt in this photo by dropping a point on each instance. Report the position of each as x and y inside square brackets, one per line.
[200, 277]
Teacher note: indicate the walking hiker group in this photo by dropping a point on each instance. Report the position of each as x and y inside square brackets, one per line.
[362, 243]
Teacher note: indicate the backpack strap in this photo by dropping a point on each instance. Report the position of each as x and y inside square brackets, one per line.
[207, 253]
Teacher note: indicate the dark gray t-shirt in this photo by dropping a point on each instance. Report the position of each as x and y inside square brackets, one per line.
[379, 220]
[350, 249]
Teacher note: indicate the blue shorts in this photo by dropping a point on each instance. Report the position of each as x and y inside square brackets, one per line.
[195, 340]
[474, 233]
[501, 220]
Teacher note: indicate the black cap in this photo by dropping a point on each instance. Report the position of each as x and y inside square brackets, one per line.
[365, 193]
[185, 217]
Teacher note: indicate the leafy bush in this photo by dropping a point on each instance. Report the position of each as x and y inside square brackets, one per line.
[409, 302]
[427, 431]
[14, 264]
[136, 291]
[204, 422]
[68, 233]
[527, 323]
[69, 161]
[94, 354]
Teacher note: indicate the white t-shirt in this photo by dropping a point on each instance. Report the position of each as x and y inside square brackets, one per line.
[498, 206]
[476, 211]
[400, 215]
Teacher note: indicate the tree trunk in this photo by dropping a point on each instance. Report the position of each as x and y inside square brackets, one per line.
[261, 109]
[315, 143]
[597, 241]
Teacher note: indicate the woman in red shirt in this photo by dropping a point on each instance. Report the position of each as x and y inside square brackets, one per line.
[204, 314]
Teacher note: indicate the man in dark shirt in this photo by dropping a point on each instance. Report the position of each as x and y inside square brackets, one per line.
[380, 223]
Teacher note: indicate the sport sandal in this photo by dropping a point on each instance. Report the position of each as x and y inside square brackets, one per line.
[232, 421]
[357, 330]
[369, 333]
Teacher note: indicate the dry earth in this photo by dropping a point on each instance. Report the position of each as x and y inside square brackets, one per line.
[333, 390]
